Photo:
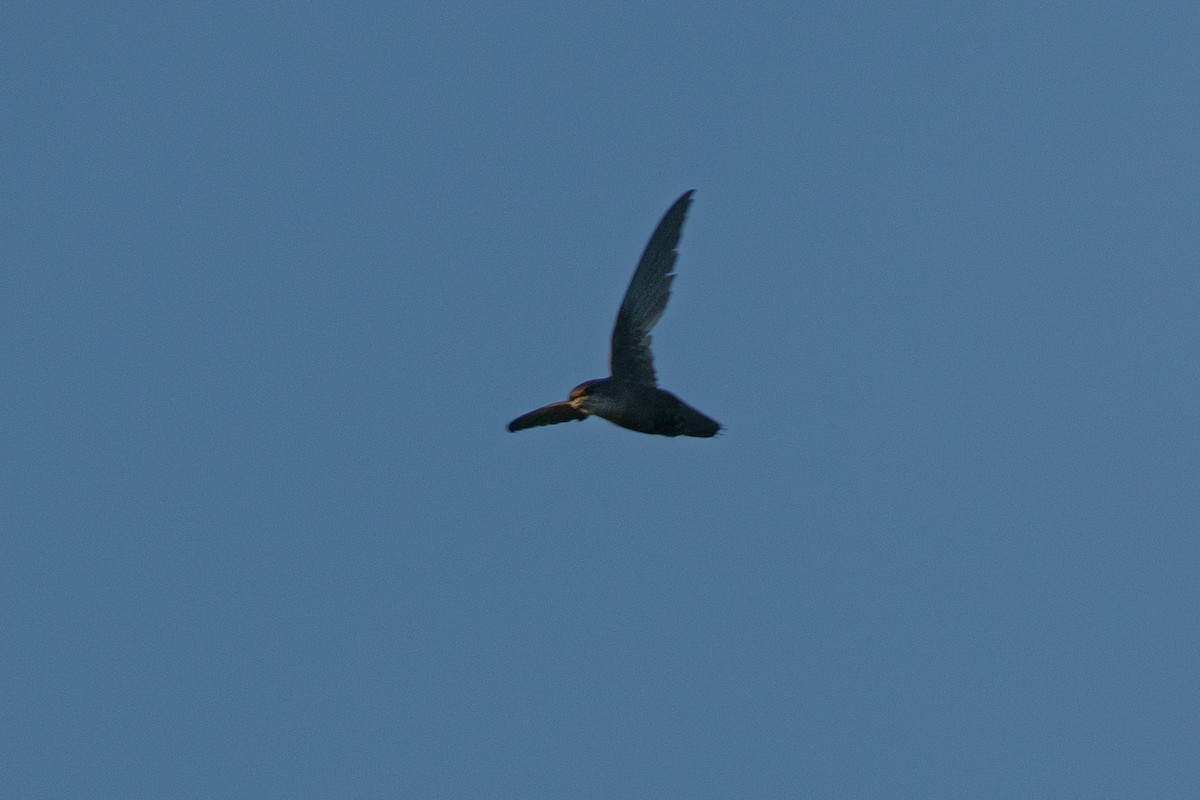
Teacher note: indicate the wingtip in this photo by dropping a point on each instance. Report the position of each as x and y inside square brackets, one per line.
[682, 204]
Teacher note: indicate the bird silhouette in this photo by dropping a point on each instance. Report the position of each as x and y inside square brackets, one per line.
[630, 397]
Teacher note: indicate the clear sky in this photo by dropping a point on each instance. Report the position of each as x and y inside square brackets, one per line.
[274, 279]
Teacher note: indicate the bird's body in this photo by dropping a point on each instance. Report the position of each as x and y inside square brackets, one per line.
[646, 409]
[631, 397]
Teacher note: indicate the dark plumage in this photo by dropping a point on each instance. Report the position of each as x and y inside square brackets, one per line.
[630, 397]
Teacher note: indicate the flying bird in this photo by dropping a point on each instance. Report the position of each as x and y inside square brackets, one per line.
[630, 397]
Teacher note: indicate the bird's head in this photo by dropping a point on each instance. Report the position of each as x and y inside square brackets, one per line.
[587, 388]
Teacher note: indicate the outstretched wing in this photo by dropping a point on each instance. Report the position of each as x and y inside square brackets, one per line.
[646, 299]
[547, 415]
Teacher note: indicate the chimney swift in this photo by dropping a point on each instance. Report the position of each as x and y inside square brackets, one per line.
[630, 397]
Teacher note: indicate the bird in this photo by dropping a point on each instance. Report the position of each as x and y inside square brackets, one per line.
[630, 396]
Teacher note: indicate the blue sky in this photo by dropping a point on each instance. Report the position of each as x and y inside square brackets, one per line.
[275, 279]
